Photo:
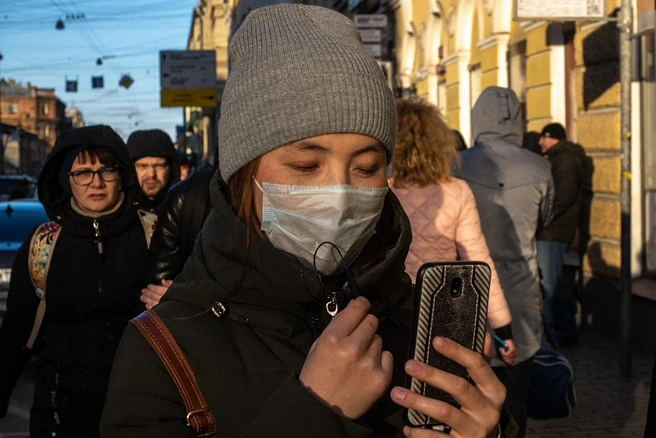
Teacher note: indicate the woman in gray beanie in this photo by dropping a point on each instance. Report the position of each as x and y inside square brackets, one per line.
[289, 309]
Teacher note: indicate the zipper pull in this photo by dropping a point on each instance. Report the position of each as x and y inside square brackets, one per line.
[98, 236]
[331, 305]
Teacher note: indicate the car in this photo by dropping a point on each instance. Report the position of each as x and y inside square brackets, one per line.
[18, 218]
[17, 187]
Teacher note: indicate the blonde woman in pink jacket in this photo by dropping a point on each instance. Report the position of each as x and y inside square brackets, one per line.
[441, 208]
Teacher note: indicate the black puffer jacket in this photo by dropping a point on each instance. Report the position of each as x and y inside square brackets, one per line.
[90, 297]
[567, 163]
[179, 221]
[246, 363]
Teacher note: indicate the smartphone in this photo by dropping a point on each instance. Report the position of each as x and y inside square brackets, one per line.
[451, 300]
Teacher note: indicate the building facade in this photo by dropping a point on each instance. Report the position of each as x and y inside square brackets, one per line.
[21, 153]
[210, 29]
[32, 109]
[448, 51]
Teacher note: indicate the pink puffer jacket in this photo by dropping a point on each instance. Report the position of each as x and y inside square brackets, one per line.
[446, 227]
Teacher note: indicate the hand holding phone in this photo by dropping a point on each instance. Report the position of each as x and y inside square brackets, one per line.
[450, 301]
[481, 403]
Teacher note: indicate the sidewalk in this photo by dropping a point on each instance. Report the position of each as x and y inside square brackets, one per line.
[607, 404]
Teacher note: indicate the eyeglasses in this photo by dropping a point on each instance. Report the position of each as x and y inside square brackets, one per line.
[84, 177]
[146, 166]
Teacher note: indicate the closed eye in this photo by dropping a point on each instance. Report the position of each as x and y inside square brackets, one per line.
[368, 170]
[303, 168]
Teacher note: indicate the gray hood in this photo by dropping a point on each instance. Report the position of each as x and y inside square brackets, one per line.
[497, 115]
[496, 159]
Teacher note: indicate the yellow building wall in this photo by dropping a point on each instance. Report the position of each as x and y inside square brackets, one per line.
[595, 102]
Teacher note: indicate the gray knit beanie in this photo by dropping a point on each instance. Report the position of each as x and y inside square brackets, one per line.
[299, 71]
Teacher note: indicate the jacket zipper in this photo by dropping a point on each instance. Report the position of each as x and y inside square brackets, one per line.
[98, 236]
[331, 304]
[98, 241]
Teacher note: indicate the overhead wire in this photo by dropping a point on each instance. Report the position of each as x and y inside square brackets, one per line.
[117, 15]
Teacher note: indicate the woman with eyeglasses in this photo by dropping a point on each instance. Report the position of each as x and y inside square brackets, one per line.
[88, 188]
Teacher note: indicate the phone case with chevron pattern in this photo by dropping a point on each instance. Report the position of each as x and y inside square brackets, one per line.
[451, 300]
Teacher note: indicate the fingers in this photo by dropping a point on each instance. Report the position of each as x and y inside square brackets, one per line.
[510, 355]
[349, 319]
[149, 302]
[487, 348]
[417, 432]
[151, 294]
[479, 371]
[439, 410]
[475, 364]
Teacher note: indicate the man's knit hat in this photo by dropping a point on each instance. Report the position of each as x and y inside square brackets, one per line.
[151, 143]
[554, 130]
[299, 71]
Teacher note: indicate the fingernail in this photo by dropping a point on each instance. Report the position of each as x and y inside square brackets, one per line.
[398, 393]
[439, 342]
[412, 366]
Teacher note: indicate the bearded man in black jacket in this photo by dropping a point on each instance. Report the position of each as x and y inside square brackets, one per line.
[567, 162]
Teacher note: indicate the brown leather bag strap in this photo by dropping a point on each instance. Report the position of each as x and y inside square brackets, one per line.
[199, 416]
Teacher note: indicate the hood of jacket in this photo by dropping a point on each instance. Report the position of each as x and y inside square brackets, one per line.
[54, 197]
[272, 289]
[497, 115]
[155, 143]
[497, 159]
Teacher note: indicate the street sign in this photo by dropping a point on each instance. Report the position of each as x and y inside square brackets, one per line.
[560, 9]
[370, 20]
[375, 50]
[201, 97]
[187, 69]
[371, 35]
[188, 78]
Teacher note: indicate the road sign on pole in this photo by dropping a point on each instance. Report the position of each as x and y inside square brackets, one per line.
[370, 20]
[188, 78]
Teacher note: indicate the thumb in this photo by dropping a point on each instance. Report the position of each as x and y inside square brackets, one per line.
[167, 283]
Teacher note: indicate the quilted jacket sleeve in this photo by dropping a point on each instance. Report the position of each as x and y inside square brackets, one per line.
[471, 245]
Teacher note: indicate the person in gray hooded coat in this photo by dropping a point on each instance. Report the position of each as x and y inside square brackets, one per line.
[514, 193]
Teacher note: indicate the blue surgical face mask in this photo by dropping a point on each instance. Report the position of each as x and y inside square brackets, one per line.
[301, 219]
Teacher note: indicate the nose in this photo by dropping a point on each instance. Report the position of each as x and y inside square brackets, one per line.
[97, 181]
[338, 175]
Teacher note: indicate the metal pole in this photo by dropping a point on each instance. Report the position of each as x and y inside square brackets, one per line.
[625, 29]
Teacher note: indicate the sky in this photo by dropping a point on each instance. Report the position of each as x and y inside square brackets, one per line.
[126, 34]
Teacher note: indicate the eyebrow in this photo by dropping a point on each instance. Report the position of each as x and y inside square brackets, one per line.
[157, 161]
[309, 146]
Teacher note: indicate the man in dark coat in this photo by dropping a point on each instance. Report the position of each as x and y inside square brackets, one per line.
[567, 161]
[156, 163]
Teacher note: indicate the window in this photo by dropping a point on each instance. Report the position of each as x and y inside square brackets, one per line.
[13, 108]
[45, 109]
